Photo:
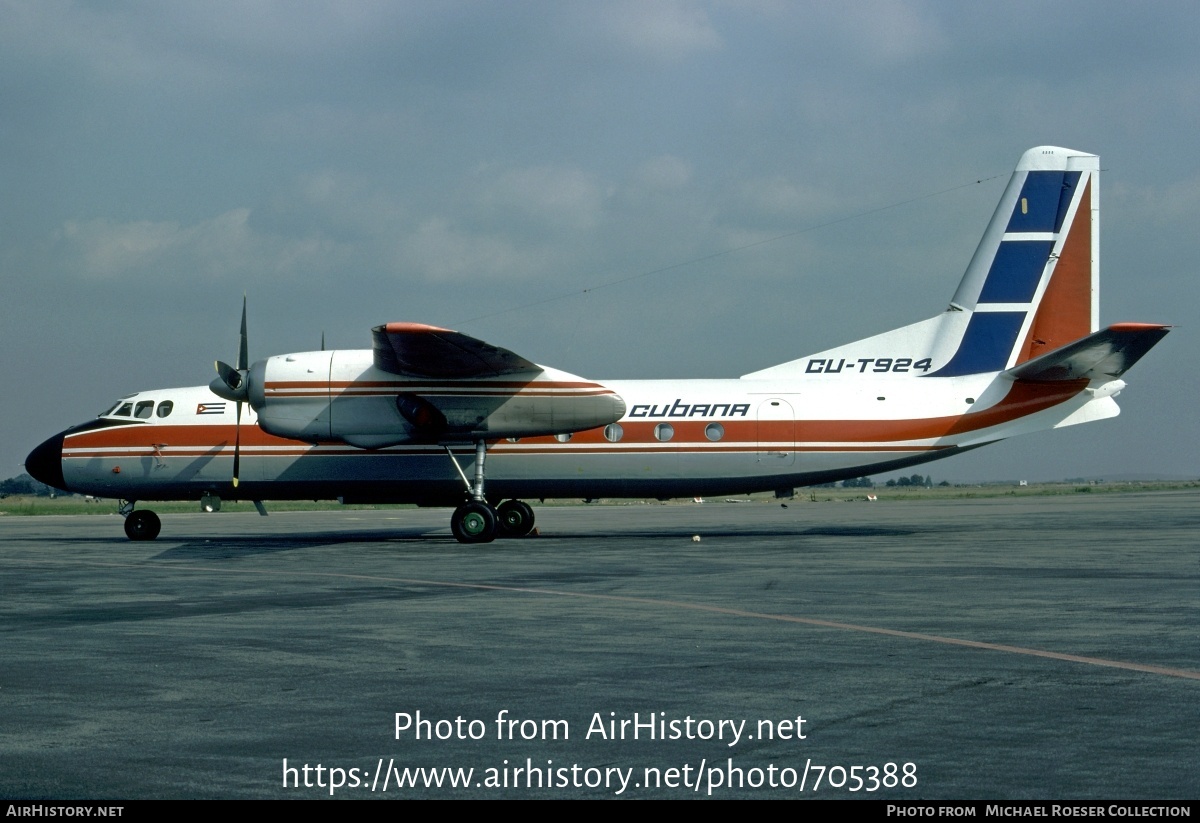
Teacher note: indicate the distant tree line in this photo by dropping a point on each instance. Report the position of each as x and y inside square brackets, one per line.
[915, 480]
[24, 484]
[921, 481]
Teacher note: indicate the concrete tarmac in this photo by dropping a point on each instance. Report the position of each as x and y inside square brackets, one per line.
[1042, 648]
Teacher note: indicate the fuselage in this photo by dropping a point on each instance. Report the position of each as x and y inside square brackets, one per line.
[676, 438]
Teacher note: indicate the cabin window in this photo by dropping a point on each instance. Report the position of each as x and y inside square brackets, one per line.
[613, 432]
[125, 411]
[144, 409]
[714, 431]
[164, 408]
[664, 432]
[562, 438]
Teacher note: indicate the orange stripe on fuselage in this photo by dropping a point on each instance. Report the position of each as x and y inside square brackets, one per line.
[1024, 398]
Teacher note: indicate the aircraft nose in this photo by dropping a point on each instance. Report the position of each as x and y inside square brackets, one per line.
[44, 463]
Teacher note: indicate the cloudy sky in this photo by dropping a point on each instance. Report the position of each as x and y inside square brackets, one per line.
[617, 189]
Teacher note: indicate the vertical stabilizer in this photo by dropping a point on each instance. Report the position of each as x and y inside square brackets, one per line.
[1033, 283]
[1031, 287]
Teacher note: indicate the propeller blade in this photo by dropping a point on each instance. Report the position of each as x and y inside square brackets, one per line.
[232, 384]
[237, 446]
[244, 347]
[230, 376]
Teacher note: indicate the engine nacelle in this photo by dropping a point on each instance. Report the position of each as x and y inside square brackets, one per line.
[340, 397]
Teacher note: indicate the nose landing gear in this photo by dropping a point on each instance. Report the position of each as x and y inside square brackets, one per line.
[139, 525]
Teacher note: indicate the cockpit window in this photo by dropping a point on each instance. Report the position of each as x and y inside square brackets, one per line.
[144, 409]
[164, 408]
[125, 410]
[109, 409]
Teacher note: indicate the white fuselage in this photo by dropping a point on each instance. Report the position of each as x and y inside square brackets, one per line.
[676, 438]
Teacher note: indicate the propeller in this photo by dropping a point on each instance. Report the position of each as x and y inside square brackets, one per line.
[231, 384]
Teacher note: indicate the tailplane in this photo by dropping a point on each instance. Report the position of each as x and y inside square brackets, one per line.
[1102, 356]
[1031, 287]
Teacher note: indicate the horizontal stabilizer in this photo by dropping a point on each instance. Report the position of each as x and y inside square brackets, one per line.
[417, 350]
[1102, 355]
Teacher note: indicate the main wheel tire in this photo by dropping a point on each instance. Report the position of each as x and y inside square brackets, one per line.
[142, 525]
[474, 522]
[514, 518]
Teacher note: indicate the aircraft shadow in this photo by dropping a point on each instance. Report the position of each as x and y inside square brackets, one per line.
[734, 531]
[233, 547]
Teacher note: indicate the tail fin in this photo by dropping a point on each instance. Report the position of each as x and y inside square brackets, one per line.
[1031, 287]
[1033, 284]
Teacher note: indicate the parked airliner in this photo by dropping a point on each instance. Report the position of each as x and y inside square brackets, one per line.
[417, 417]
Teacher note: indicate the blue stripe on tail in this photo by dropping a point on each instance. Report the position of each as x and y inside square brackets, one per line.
[986, 345]
[1016, 271]
[1044, 201]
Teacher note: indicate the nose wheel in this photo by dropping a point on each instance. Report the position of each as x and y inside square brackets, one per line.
[142, 525]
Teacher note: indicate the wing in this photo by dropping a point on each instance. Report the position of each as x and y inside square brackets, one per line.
[1106, 354]
[417, 350]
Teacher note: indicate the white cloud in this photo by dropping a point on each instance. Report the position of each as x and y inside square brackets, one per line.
[663, 30]
[550, 195]
[348, 204]
[891, 31]
[221, 247]
[1174, 203]
[441, 251]
[664, 172]
[779, 197]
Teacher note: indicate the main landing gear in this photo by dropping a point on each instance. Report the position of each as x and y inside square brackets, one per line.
[476, 521]
[139, 525]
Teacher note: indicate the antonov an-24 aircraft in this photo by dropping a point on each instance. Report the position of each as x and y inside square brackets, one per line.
[413, 419]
